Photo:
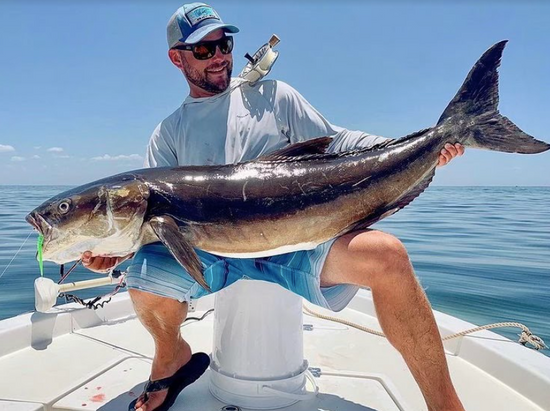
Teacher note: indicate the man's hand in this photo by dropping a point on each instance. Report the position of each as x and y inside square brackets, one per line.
[100, 264]
[449, 152]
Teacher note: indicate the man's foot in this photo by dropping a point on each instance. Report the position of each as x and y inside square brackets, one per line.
[160, 393]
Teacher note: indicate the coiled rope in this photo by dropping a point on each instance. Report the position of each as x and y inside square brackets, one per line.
[526, 336]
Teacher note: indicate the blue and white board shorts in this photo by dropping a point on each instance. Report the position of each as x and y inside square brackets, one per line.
[155, 270]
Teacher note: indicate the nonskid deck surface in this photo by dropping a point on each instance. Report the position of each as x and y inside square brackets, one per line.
[85, 360]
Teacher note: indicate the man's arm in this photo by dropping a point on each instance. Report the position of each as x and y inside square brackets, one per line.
[301, 121]
[346, 140]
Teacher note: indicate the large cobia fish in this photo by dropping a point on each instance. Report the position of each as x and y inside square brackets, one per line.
[292, 199]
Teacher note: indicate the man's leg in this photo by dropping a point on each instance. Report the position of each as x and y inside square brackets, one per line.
[379, 261]
[162, 317]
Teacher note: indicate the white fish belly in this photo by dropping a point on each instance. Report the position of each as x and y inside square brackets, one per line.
[267, 253]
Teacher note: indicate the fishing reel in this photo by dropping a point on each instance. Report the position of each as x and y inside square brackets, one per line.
[259, 65]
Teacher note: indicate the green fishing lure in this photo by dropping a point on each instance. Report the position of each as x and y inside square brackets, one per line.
[39, 253]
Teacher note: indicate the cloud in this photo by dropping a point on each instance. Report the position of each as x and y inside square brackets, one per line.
[55, 150]
[5, 149]
[35, 156]
[17, 158]
[37, 147]
[107, 157]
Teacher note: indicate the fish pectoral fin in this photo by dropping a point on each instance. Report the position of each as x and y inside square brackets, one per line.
[304, 148]
[177, 241]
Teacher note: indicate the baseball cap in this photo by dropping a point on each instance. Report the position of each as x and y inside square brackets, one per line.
[192, 22]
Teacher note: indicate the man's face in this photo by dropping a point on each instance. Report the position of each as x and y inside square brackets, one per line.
[205, 77]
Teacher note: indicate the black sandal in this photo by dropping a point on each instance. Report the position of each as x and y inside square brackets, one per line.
[186, 375]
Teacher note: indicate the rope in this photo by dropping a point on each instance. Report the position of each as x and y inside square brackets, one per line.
[526, 336]
[345, 322]
[13, 258]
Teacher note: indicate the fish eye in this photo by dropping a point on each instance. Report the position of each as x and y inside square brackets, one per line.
[64, 207]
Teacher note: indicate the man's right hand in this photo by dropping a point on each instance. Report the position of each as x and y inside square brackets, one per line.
[100, 264]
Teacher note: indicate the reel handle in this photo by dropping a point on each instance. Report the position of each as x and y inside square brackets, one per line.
[274, 40]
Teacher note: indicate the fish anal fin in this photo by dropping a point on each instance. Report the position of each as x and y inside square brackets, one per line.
[177, 241]
[304, 148]
[397, 205]
[418, 189]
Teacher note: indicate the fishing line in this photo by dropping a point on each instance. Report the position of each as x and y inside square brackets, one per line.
[13, 258]
[63, 276]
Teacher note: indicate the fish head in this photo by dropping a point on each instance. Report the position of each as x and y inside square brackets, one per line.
[104, 217]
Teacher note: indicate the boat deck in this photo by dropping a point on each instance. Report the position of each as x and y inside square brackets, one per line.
[78, 359]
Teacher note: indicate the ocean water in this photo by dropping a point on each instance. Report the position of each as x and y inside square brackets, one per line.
[481, 253]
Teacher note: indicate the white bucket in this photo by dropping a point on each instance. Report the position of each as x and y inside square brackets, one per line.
[258, 353]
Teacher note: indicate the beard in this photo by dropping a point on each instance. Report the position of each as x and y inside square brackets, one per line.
[208, 82]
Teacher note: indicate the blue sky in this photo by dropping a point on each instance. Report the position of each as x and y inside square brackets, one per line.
[83, 83]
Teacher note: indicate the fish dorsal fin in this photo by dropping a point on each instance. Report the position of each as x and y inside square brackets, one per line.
[315, 146]
[391, 142]
[383, 144]
[394, 207]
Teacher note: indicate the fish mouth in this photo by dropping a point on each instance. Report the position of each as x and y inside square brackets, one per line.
[39, 223]
[32, 221]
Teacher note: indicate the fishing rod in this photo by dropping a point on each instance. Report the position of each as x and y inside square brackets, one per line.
[46, 291]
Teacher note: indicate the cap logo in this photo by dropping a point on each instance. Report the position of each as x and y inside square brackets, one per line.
[201, 13]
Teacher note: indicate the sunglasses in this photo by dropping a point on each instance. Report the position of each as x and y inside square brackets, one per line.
[205, 50]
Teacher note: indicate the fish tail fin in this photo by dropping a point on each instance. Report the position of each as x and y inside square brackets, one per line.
[475, 107]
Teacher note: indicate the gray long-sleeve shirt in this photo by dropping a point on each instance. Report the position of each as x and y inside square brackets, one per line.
[241, 124]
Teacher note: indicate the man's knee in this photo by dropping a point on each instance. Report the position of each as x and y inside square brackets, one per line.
[383, 255]
[392, 251]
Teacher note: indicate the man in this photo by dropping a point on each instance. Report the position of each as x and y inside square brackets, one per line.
[225, 120]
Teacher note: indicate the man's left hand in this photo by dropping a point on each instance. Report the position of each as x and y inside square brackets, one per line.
[449, 152]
